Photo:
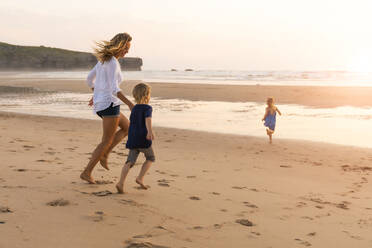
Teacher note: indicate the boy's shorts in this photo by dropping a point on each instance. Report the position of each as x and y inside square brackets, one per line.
[133, 155]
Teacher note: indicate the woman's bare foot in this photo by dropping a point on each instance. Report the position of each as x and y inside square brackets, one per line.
[87, 177]
[120, 189]
[141, 184]
[103, 162]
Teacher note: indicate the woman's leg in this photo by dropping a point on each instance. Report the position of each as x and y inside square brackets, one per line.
[110, 125]
[119, 136]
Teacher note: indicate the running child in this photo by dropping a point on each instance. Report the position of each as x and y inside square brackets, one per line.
[140, 136]
[270, 117]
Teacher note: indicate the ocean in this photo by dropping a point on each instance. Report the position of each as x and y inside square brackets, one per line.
[308, 78]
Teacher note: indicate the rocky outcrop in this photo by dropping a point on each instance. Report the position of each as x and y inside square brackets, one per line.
[14, 57]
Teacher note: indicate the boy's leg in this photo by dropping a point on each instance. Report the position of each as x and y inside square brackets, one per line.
[150, 158]
[132, 158]
[123, 176]
[145, 167]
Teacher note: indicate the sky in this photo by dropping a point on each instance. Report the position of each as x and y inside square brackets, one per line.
[204, 34]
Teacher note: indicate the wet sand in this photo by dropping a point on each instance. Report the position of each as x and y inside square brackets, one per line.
[314, 96]
[207, 190]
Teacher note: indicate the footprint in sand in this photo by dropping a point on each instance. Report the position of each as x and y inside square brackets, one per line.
[133, 244]
[43, 161]
[303, 242]
[21, 170]
[353, 236]
[215, 193]
[161, 172]
[191, 177]
[102, 193]
[307, 218]
[238, 187]
[104, 182]
[58, 202]
[249, 205]
[131, 203]
[195, 198]
[164, 184]
[218, 226]
[285, 166]
[5, 210]
[28, 147]
[142, 236]
[98, 216]
[244, 222]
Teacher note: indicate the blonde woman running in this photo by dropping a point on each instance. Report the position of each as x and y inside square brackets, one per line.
[104, 80]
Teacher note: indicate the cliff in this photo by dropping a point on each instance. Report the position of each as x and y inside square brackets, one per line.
[14, 57]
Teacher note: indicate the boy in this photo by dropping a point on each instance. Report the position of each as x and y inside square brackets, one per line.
[140, 136]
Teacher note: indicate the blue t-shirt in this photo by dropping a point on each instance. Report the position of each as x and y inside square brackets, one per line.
[137, 127]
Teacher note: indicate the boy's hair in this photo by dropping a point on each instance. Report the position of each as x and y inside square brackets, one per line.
[141, 93]
[270, 101]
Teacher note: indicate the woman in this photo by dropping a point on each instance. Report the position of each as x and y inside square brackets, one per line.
[104, 80]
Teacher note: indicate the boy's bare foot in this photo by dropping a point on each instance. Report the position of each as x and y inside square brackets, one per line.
[141, 184]
[87, 178]
[103, 162]
[120, 189]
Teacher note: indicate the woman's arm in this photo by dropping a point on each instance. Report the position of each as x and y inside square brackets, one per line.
[125, 100]
[150, 134]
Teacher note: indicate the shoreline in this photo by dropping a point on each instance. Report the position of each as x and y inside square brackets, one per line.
[263, 138]
[313, 96]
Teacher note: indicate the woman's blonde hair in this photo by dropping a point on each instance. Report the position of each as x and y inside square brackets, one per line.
[105, 50]
[141, 93]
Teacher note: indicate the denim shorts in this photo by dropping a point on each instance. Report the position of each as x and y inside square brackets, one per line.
[133, 155]
[110, 111]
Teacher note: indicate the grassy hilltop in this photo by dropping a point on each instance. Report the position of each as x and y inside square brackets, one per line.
[13, 57]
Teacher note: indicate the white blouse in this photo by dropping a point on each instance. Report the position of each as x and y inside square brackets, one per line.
[105, 79]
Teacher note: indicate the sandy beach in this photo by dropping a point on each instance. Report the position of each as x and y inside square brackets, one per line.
[207, 189]
[294, 193]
